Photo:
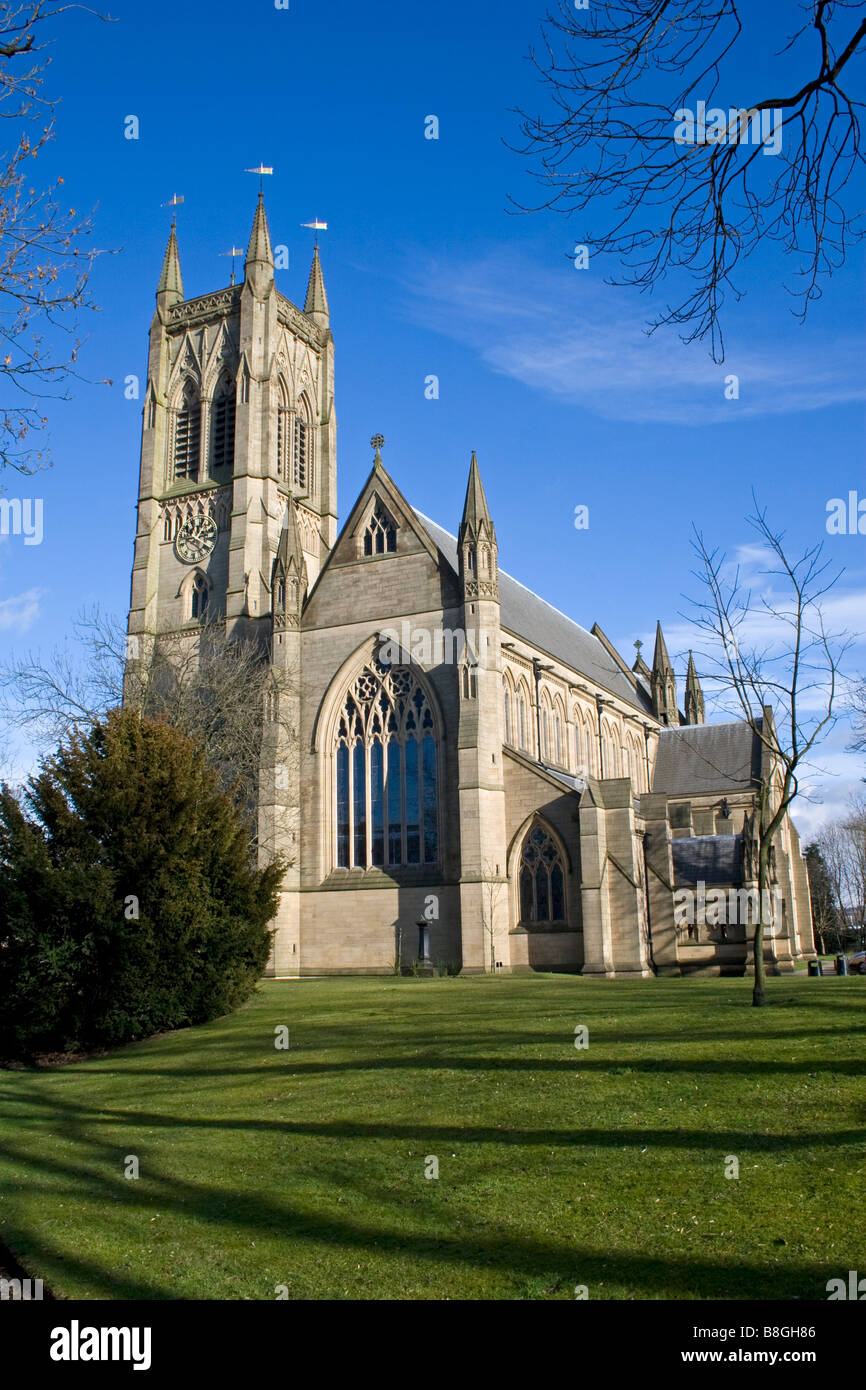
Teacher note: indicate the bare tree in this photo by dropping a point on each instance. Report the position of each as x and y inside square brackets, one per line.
[493, 888]
[775, 665]
[621, 74]
[828, 923]
[45, 261]
[843, 844]
[220, 691]
[857, 705]
[830, 843]
[855, 830]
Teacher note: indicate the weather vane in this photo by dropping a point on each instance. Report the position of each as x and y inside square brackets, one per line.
[235, 251]
[316, 226]
[261, 171]
[377, 443]
[172, 203]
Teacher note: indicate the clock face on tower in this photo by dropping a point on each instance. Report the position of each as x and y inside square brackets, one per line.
[196, 538]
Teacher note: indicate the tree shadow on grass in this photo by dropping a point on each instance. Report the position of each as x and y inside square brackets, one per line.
[582, 1061]
[512, 1255]
[76, 1118]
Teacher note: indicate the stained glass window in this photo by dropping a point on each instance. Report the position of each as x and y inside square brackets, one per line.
[387, 794]
[541, 879]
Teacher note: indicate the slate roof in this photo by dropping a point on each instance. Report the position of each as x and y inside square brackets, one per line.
[700, 758]
[708, 858]
[526, 615]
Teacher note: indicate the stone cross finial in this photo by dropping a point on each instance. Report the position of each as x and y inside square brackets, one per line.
[637, 646]
[377, 443]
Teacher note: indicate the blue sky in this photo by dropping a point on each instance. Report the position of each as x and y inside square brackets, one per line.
[546, 371]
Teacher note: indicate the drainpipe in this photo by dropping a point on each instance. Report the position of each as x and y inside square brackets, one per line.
[599, 706]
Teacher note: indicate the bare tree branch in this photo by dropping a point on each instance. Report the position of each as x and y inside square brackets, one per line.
[213, 688]
[620, 73]
[772, 682]
[45, 259]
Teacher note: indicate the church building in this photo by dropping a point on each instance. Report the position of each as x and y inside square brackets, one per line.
[458, 776]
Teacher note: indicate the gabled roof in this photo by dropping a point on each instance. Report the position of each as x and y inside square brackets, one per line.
[700, 758]
[526, 615]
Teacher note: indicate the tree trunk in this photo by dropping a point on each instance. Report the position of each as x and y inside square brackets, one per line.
[759, 996]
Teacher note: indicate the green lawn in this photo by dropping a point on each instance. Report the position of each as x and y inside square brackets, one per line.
[557, 1167]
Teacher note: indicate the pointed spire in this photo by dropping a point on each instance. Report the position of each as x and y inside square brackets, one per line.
[289, 547]
[170, 288]
[694, 695]
[477, 555]
[316, 302]
[259, 248]
[661, 660]
[663, 684]
[289, 573]
[476, 513]
[259, 264]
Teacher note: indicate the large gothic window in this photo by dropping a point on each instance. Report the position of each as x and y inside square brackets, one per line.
[223, 427]
[387, 802]
[381, 533]
[541, 879]
[187, 433]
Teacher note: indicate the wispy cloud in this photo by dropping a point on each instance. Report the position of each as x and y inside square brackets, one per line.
[570, 336]
[20, 612]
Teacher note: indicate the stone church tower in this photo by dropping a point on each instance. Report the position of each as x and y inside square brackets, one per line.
[238, 418]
